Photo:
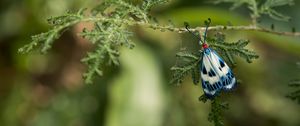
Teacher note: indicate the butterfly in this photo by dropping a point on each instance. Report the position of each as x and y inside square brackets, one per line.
[215, 74]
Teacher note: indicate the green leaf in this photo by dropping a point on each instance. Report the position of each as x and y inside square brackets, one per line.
[217, 110]
[44, 41]
[188, 63]
[295, 95]
[236, 48]
[267, 8]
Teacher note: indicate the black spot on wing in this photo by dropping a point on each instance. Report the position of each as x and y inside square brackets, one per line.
[219, 84]
[204, 70]
[203, 84]
[230, 75]
[226, 82]
[223, 81]
[215, 87]
[222, 64]
[227, 79]
[209, 87]
[206, 82]
[211, 73]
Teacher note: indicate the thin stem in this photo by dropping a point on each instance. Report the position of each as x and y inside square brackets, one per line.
[255, 14]
[249, 28]
[183, 30]
[219, 27]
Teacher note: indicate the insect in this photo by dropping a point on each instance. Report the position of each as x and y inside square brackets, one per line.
[215, 73]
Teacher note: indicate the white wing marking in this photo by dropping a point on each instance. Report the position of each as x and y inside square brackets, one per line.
[212, 62]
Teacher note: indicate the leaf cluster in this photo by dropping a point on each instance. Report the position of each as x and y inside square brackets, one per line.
[217, 110]
[189, 63]
[295, 85]
[43, 41]
[111, 20]
[261, 7]
[231, 49]
[295, 95]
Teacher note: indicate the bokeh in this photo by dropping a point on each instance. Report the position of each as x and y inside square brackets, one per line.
[48, 90]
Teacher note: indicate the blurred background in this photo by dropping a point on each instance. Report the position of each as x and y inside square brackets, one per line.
[47, 90]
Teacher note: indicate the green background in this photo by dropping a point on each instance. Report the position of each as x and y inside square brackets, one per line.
[47, 90]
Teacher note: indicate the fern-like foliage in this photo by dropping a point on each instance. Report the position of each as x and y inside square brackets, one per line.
[228, 50]
[217, 110]
[269, 5]
[295, 85]
[295, 95]
[188, 63]
[258, 7]
[111, 19]
[44, 41]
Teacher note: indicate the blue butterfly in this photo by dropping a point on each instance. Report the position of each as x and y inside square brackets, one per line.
[215, 73]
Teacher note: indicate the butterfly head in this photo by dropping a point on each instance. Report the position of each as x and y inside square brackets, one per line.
[205, 46]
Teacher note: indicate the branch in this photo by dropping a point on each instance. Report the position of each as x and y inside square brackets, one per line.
[250, 28]
[220, 27]
[156, 26]
[200, 29]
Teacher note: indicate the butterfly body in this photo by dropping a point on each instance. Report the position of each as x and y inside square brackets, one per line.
[215, 73]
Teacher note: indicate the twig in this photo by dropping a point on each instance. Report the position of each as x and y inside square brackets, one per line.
[200, 29]
[249, 28]
[219, 27]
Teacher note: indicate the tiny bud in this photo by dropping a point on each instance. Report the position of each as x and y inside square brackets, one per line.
[293, 29]
[272, 26]
[186, 24]
[209, 19]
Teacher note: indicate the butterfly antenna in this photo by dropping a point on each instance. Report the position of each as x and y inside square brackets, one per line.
[207, 23]
[198, 37]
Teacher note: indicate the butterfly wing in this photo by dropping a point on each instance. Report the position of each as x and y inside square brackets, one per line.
[215, 74]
